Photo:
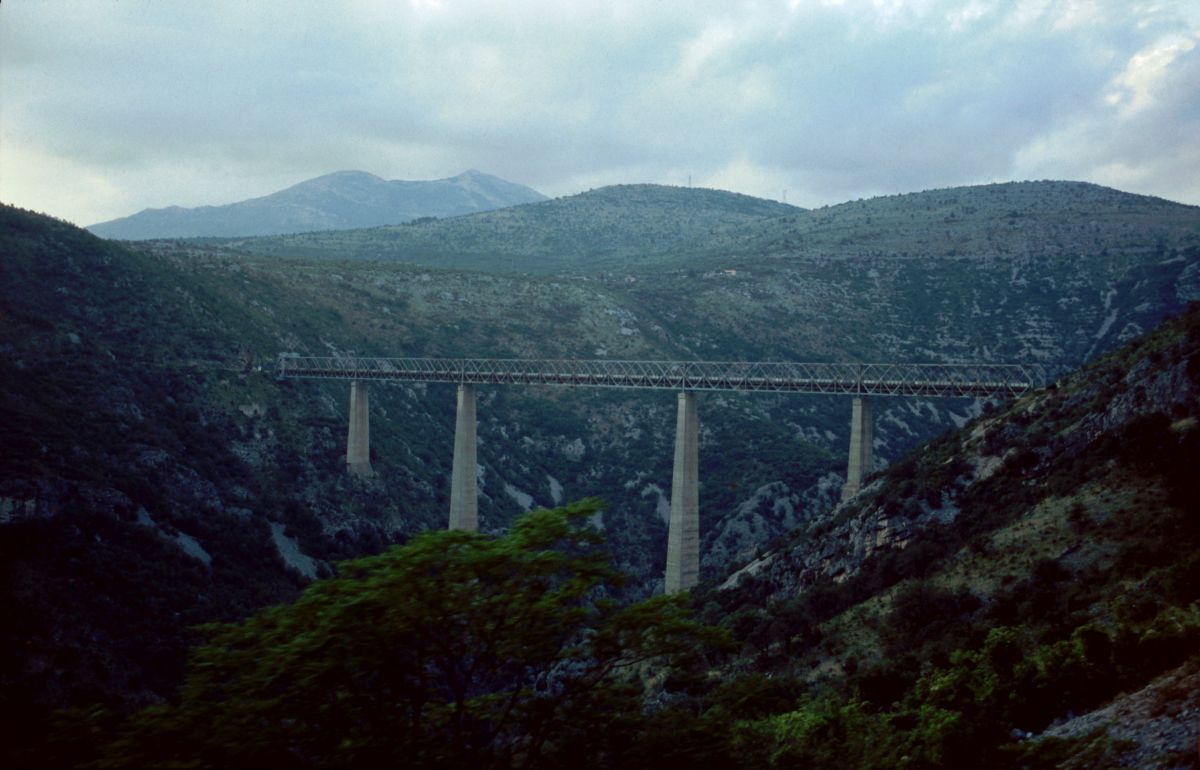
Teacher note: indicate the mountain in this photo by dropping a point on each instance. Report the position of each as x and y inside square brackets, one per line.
[1091, 269]
[337, 201]
[646, 228]
[149, 458]
[1038, 219]
[1021, 592]
[578, 232]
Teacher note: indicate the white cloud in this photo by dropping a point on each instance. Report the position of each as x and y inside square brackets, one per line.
[1142, 80]
[712, 42]
[1140, 133]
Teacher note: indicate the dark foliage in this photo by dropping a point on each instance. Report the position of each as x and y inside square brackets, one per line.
[458, 649]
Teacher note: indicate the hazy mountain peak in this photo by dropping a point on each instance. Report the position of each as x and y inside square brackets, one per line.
[339, 200]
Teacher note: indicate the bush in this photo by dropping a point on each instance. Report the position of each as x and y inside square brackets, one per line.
[922, 612]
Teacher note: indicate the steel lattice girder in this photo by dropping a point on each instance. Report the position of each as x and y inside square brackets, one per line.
[942, 380]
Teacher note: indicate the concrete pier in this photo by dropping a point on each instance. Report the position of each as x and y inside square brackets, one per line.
[683, 536]
[464, 501]
[862, 439]
[358, 441]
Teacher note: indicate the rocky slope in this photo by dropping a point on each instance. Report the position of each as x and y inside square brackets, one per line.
[1053, 428]
[337, 201]
[1070, 512]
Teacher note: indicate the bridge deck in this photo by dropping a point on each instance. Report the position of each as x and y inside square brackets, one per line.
[941, 380]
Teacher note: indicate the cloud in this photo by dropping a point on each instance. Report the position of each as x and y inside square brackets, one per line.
[1141, 135]
[106, 108]
[1141, 83]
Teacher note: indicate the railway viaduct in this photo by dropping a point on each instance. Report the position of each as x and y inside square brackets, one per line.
[860, 381]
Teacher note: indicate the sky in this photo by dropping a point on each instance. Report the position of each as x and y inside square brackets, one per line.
[108, 107]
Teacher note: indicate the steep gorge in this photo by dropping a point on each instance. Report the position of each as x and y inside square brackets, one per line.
[148, 459]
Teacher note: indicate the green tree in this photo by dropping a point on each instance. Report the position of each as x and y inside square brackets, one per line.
[458, 649]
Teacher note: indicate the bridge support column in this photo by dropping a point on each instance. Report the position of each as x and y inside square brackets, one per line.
[862, 439]
[464, 501]
[683, 536]
[358, 441]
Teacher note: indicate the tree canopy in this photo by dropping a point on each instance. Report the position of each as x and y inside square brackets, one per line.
[457, 649]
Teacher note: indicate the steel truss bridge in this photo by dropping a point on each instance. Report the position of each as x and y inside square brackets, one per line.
[898, 379]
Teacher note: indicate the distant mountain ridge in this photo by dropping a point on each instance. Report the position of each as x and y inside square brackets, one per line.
[338, 201]
[654, 227]
[1007, 218]
[617, 222]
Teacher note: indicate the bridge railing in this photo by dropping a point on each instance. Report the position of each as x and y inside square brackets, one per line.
[891, 379]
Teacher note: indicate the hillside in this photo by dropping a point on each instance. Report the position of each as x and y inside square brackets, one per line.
[1057, 312]
[1045, 219]
[147, 458]
[1032, 599]
[142, 443]
[574, 233]
[643, 228]
[986, 592]
[614, 443]
[337, 201]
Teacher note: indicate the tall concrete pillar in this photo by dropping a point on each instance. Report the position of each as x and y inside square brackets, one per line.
[683, 536]
[862, 439]
[358, 441]
[464, 501]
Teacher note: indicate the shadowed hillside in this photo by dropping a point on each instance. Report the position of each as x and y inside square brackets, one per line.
[1023, 592]
[987, 591]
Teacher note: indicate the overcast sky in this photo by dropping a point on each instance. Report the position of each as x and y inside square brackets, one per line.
[111, 106]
